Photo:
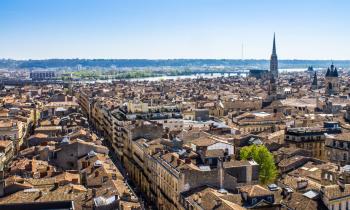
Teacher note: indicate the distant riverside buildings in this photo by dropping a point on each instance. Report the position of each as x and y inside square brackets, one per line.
[42, 75]
[258, 73]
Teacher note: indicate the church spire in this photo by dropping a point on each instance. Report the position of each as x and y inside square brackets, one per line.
[274, 45]
[274, 60]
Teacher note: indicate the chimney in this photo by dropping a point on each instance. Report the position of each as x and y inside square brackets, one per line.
[221, 176]
[55, 187]
[199, 200]
[178, 162]
[218, 203]
[84, 179]
[117, 198]
[93, 192]
[40, 195]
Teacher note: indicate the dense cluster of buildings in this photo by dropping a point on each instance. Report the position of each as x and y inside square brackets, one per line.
[175, 144]
[179, 140]
[50, 158]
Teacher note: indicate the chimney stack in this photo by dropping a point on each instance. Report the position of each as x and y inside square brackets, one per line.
[221, 176]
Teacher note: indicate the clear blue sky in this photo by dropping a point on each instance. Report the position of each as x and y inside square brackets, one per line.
[305, 29]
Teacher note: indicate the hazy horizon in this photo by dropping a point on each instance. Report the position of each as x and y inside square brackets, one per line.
[164, 59]
[182, 29]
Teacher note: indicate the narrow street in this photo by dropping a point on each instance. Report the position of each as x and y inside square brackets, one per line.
[121, 168]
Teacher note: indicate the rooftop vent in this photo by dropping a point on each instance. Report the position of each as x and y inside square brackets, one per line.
[92, 153]
[65, 140]
[98, 163]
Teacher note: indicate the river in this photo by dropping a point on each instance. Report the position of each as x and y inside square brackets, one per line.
[191, 76]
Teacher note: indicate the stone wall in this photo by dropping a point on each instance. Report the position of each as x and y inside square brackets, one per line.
[194, 178]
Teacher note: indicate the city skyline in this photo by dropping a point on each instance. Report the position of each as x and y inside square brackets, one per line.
[171, 30]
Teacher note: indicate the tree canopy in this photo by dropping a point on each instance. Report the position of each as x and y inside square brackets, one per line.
[261, 155]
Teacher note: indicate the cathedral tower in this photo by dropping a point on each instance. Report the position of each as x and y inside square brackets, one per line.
[273, 72]
[332, 81]
[274, 60]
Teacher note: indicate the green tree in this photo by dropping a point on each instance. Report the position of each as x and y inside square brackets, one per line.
[261, 155]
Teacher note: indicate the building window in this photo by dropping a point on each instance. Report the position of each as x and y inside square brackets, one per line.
[105, 179]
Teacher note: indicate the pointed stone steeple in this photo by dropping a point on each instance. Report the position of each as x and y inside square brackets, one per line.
[274, 60]
[273, 75]
[274, 45]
